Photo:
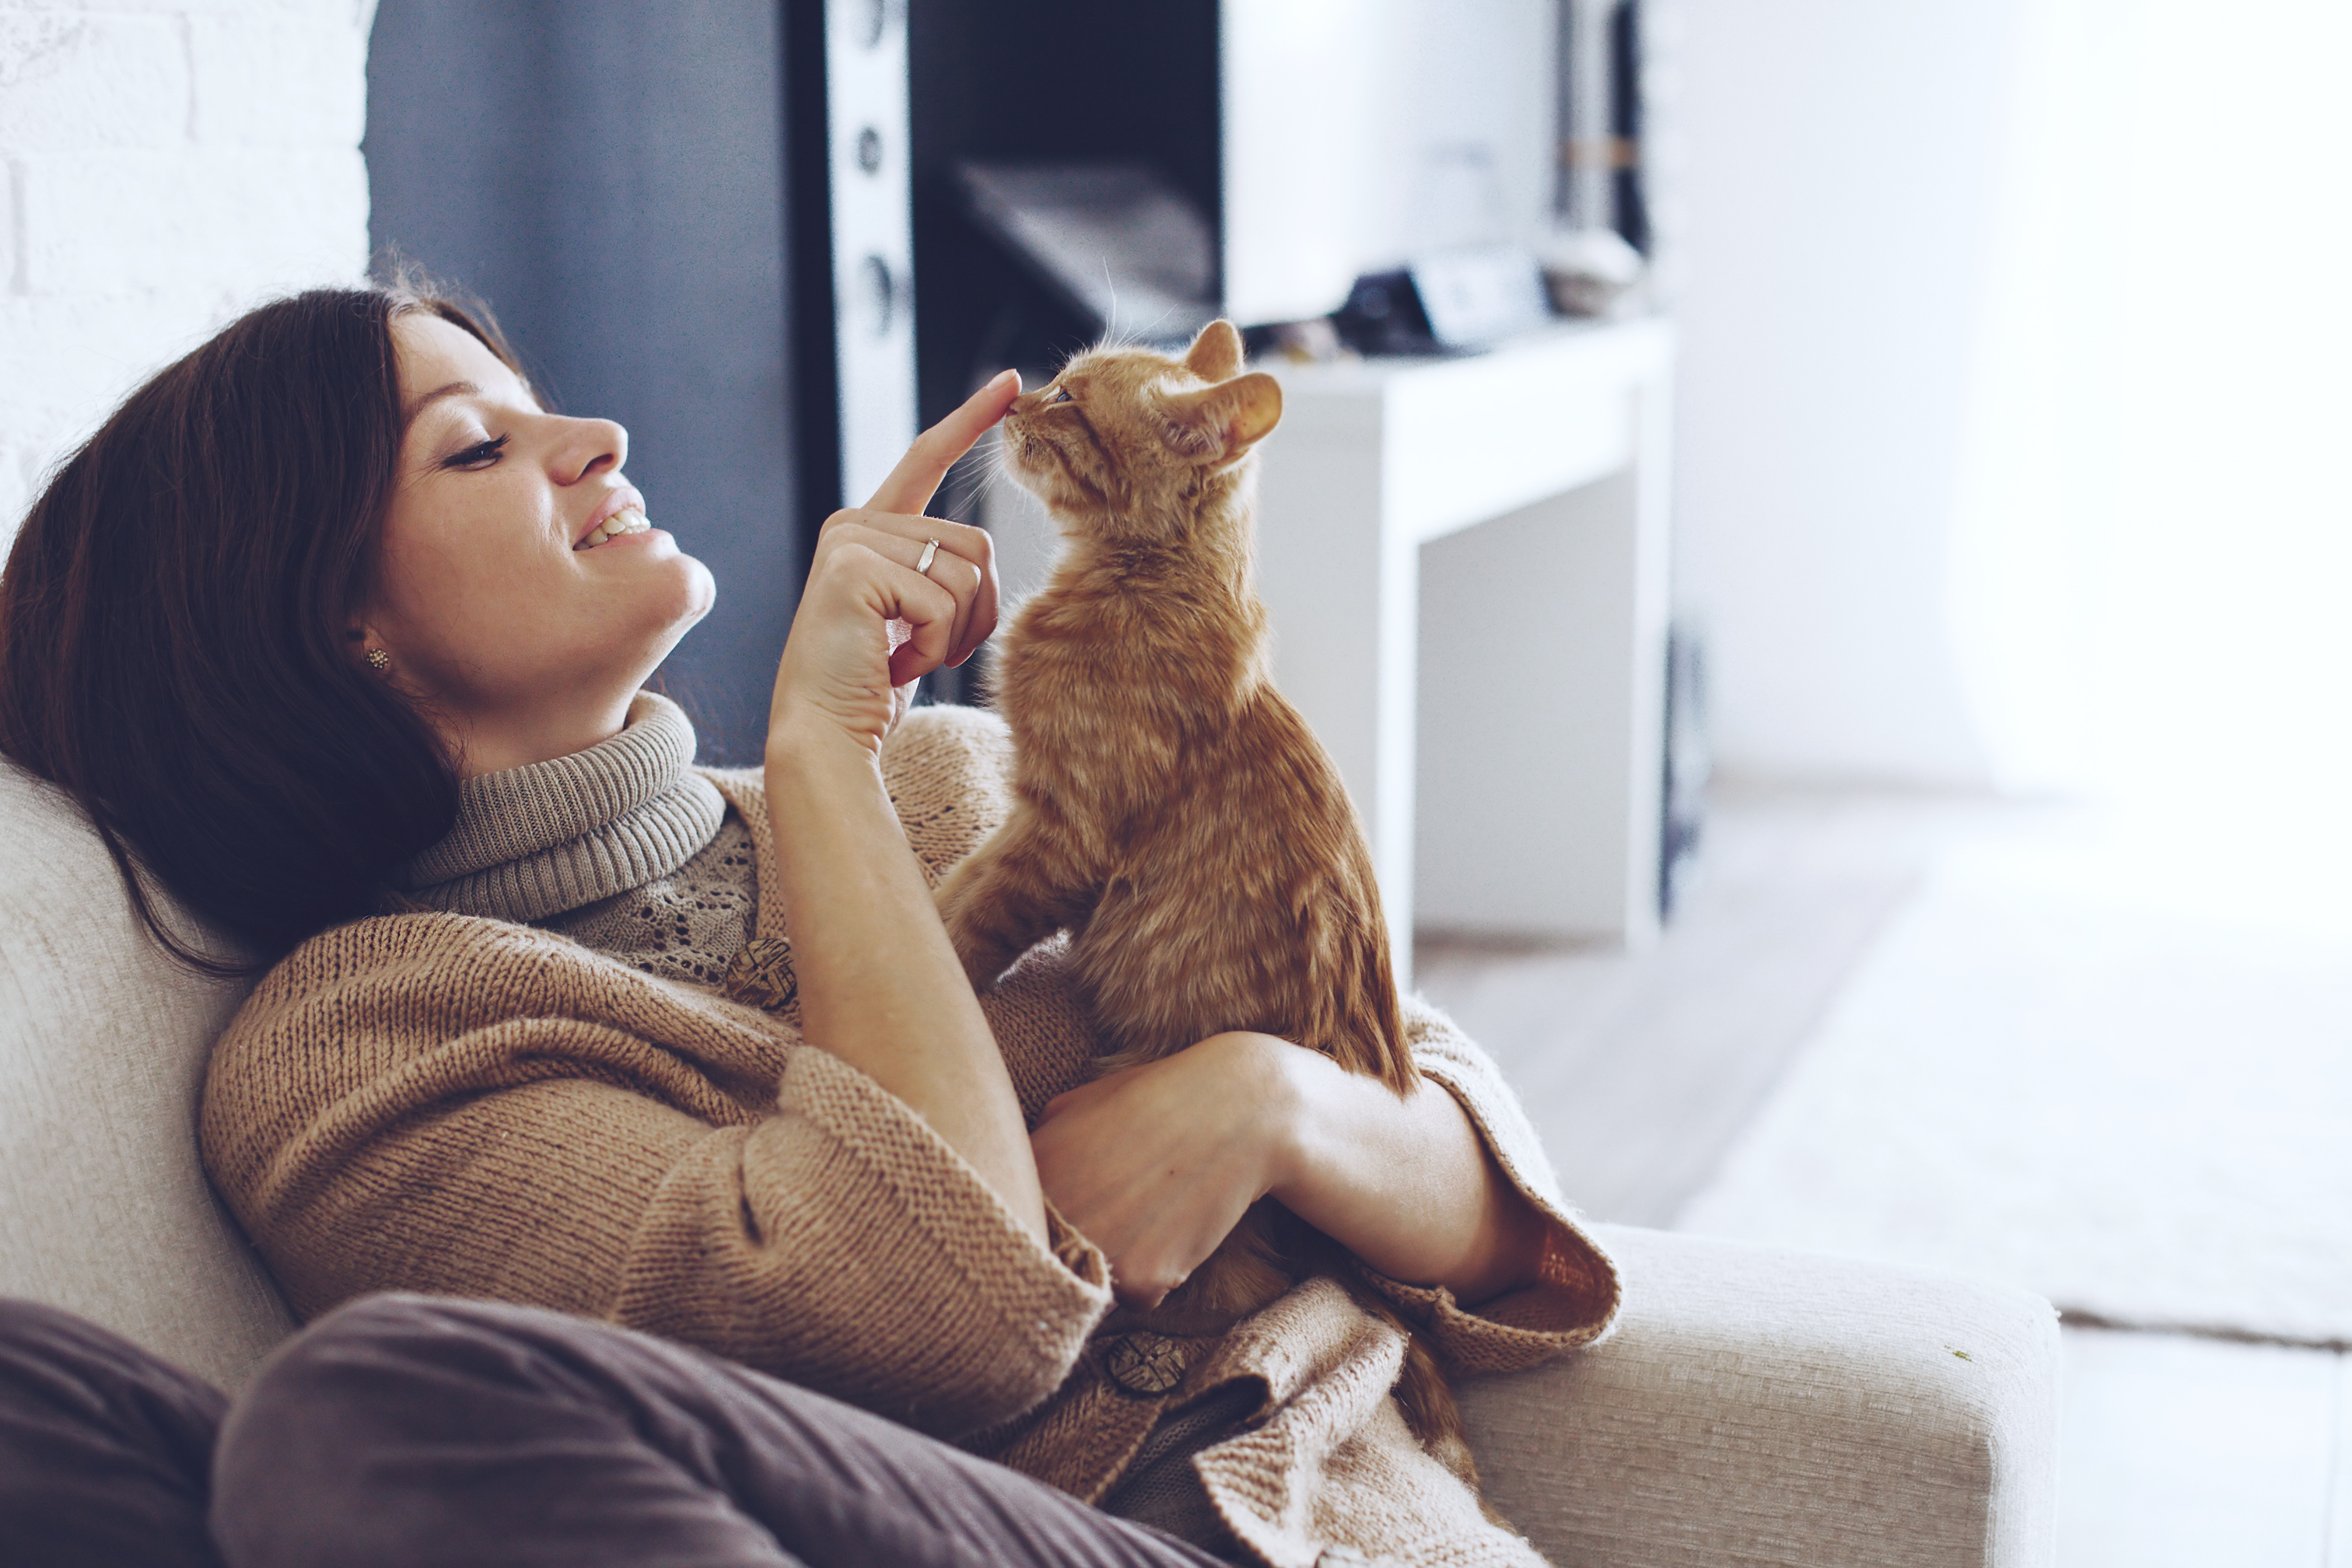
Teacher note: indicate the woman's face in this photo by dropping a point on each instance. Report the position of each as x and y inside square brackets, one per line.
[522, 640]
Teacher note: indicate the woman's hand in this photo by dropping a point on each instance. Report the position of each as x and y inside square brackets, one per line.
[1156, 1163]
[870, 624]
[879, 986]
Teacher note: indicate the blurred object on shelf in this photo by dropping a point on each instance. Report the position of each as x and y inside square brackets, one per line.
[1474, 299]
[1593, 272]
[1457, 302]
[1117, 242]
[1384, 316]
[1314, 340]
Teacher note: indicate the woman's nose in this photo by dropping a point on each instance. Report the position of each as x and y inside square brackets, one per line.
[591, 447]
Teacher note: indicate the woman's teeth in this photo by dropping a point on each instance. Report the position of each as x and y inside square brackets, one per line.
[628, 519]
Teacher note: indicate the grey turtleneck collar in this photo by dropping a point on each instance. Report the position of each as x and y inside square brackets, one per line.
[541, 839]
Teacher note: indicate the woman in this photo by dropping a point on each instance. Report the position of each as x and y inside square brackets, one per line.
[556, 1019]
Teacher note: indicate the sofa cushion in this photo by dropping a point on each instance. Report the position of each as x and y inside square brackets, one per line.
[1757, 1408]
[103, 1207]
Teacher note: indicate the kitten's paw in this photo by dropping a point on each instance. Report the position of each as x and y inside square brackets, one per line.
[985, 959]
[982, 959]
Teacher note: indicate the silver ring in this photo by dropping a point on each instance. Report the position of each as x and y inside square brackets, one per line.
[924, 565]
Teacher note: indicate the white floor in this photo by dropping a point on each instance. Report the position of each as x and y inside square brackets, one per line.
[1642, 1070]
[2144, 1115]
[2177, 1452]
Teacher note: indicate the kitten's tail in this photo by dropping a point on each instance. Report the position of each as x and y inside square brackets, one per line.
[1431, 1412]
[1436, 1420]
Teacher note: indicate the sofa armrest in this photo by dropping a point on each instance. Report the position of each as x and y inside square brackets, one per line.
[1756, 1407]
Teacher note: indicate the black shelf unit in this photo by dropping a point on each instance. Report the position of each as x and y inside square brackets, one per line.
[1046, 80]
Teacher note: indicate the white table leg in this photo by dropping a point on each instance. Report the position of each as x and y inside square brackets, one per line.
[1427, 528]
[1539, 783]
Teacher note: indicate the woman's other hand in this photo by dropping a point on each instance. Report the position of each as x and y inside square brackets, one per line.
[1156, 1165]
[869, 622]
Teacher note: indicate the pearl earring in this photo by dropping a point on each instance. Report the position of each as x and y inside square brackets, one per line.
[379, 661]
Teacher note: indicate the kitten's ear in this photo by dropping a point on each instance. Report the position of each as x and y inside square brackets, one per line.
[1218, 424]
[1216, 354]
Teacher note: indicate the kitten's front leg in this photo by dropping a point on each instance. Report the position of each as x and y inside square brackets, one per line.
[1006, 895]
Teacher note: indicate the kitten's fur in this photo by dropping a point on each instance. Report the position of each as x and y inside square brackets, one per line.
[1171, 810]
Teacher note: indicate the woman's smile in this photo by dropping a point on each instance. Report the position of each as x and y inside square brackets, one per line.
[620, 515]
[621, 524]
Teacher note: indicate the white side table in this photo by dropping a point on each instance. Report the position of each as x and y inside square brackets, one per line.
[1465, 561]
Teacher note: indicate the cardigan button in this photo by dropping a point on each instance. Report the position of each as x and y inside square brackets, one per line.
[762, 974]
[1145, 1365]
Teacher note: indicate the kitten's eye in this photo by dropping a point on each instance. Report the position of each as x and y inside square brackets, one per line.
[1059, 394]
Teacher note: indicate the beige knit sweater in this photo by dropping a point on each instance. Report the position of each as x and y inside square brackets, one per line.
[458, 1104]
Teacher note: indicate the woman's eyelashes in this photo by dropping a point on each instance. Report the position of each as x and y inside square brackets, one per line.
[479, 455]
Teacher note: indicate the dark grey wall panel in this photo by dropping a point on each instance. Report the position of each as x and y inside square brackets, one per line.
[609, 174]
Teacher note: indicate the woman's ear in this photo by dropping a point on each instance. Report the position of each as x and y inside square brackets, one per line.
[368, 647]
[1219, 423]
[1216, 352]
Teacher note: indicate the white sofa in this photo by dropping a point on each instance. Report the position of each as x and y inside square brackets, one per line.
[1752, 1407]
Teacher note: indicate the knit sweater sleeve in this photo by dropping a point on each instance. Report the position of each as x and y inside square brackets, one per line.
[1574, 1299]
[464, 1106]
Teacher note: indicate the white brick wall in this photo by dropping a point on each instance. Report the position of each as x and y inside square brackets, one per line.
[163, 164]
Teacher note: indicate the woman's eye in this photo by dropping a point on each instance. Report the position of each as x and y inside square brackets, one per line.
[479, 455]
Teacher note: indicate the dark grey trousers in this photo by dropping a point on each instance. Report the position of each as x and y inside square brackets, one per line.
[406, 1430]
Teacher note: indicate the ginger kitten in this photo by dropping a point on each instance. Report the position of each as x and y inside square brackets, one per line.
[1172, 811]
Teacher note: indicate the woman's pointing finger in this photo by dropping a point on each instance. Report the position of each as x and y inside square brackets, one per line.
[911, 484]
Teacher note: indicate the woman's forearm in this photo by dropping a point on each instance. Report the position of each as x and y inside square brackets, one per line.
[879, 984]
[1406, 1184]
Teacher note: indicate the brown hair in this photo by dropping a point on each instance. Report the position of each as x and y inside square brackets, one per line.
[175, 617]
